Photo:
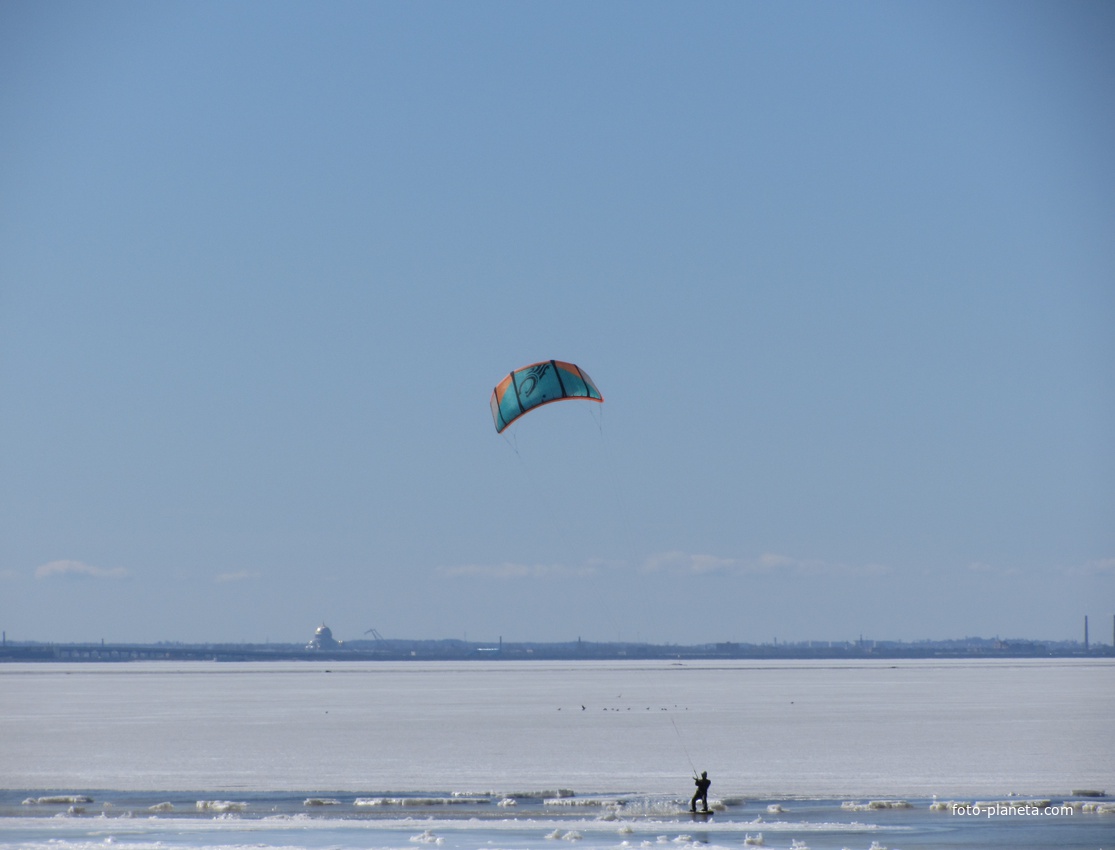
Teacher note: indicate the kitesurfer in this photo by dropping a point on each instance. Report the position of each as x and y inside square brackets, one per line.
[701, 794]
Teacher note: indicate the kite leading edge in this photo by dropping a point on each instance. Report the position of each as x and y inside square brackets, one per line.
[538, 384]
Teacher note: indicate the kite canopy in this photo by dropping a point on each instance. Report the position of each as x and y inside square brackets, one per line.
[538, 384]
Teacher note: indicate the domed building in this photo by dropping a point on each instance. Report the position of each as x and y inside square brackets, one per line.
[323, 639]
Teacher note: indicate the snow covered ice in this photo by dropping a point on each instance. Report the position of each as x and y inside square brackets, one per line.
[543, 754]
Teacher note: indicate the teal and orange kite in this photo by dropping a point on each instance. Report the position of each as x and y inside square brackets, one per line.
[538, 384]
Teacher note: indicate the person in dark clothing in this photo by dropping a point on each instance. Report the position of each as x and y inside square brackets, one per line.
[702, 792]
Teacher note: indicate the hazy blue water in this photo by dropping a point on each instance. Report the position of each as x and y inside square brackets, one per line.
[808, 736]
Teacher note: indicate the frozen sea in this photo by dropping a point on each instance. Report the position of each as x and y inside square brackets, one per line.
[492, 754]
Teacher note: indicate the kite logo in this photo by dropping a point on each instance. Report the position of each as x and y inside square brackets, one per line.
[536, 374]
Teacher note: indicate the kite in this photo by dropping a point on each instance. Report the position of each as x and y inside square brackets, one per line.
[538, 384]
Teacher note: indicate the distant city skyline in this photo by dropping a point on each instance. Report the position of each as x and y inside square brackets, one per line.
[323, 643]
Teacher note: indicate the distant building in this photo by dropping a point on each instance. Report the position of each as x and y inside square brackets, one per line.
[323, 639]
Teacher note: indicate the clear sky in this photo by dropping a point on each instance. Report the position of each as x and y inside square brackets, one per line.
[844, 273]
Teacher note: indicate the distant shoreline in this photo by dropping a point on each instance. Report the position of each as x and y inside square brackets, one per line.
[458, 650]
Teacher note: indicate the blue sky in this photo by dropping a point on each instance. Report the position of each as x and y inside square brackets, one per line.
[844, 273]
